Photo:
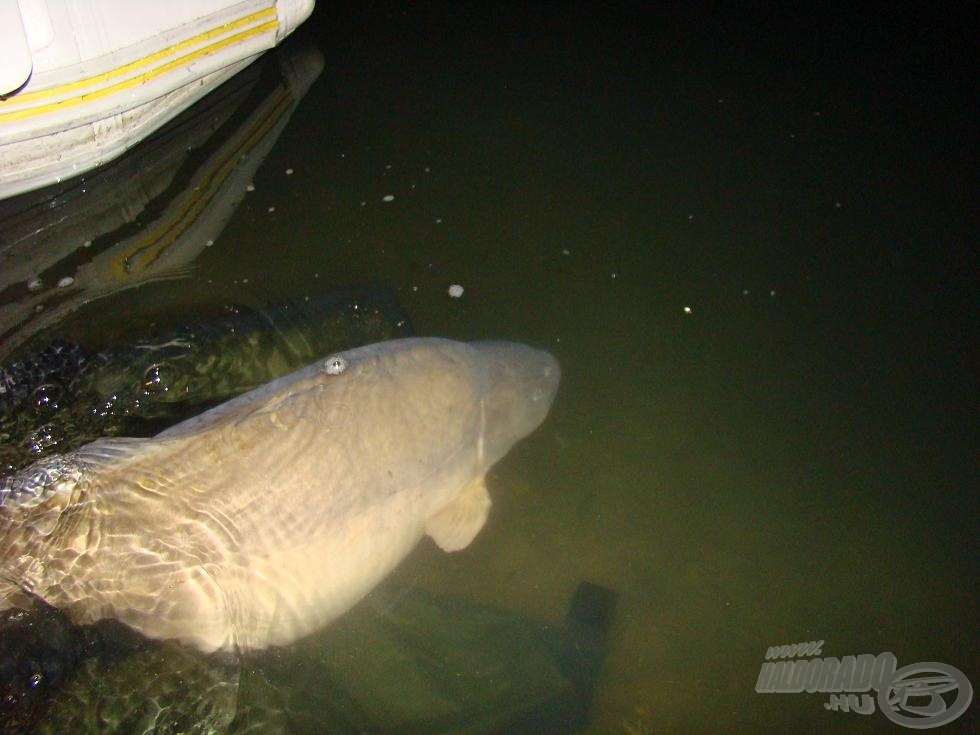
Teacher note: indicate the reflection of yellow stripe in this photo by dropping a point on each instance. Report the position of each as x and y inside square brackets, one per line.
[145, 76]
[150, 248]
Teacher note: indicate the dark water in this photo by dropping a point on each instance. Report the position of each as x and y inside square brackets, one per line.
[750, 242]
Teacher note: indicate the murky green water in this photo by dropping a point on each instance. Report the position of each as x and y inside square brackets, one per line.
[751, 249]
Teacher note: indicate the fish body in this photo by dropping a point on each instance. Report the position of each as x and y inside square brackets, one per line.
[263, 519]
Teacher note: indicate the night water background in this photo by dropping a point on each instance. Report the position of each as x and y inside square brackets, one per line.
[749, 241]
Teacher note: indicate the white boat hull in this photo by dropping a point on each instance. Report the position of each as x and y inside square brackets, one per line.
[104, 74]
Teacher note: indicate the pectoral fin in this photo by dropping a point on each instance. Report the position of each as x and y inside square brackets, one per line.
[456, 525]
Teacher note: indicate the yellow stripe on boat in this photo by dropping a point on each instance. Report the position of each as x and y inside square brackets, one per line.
[39, 110]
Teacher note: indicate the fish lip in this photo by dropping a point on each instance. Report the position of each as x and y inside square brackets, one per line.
[550, 373]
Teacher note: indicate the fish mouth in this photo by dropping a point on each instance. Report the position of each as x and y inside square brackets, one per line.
[545, 386]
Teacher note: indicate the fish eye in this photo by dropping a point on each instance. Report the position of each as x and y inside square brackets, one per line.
[335, 365]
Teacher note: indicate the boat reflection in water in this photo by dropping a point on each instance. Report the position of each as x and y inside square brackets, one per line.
[148, 215]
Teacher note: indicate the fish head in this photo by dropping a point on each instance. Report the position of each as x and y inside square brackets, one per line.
[521, 383]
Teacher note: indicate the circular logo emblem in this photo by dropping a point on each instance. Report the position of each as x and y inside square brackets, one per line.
[914, 697]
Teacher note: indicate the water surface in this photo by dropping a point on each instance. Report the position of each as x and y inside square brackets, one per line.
[749, 242]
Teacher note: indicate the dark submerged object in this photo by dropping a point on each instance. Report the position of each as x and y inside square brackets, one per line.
[40, 651]
[59, 361]
[410, 662]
